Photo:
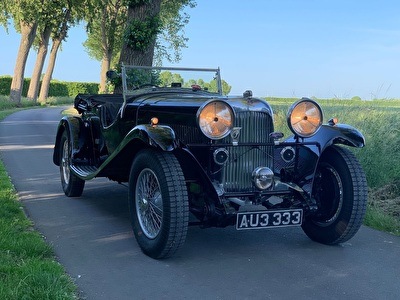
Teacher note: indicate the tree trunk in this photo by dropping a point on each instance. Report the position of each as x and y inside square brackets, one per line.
[130, 56]
[37, 71]
[110, 17]
[105, 66]
[44, 89]
[28, 33]
[107, 53]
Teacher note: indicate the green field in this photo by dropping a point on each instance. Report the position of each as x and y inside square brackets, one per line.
[28, 269]
[379, 122]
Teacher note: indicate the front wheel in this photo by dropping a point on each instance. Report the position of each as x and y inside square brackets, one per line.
[71, 184]
[158, 203]
[340, 190]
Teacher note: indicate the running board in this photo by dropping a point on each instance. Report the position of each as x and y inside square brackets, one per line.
[86, 172]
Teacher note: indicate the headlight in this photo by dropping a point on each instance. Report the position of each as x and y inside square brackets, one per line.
[304, 117]
[215, 119]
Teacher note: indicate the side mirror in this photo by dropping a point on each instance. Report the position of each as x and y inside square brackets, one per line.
[111, 75]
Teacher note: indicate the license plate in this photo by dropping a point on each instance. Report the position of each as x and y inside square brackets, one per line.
[268, 219]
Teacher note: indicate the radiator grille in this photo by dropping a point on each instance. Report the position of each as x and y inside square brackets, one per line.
[256, 127]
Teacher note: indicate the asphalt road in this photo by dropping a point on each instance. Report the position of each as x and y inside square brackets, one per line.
[92, 238]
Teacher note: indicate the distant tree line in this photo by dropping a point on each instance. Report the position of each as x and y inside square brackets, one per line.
[167, 78]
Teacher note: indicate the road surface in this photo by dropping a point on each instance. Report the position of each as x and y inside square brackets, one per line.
[92, 238]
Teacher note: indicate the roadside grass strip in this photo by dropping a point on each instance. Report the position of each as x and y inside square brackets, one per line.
[28, 269]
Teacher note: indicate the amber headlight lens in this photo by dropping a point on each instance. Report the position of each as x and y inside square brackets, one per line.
[304, 117]
[215, 119]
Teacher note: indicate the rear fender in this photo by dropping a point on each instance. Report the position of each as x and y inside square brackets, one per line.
[74, 126]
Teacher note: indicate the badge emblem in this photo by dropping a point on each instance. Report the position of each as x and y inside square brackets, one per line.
[235, 133]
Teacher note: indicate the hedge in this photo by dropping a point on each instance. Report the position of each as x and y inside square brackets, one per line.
[56, 89]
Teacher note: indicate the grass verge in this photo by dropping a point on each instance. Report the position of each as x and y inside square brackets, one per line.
[28, 269]
[376, 218]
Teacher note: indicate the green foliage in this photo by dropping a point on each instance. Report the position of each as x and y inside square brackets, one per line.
[140, 34]
[31, 12]
[56, 89]
[5, 84]
[75, 88]
[106, 21]
[136, 3]
[167, 78]
[171, 39]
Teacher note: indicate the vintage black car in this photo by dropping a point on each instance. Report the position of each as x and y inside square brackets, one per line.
[192, 156]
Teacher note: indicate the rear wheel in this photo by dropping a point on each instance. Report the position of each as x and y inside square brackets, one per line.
[340, 190]
[158, 203]
[71, 184]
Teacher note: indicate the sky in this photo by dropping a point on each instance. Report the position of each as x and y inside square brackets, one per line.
[276, 48]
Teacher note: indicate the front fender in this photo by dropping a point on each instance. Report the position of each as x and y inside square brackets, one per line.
[308, 151]
[343, 134]
[159, 136]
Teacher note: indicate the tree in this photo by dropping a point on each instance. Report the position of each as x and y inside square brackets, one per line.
[25, 14]
[43, 44]
[105, 26]
[210, 86]
[171, 40]
[145, 21]
[143, 25]
[59, 35]
[167, 78]
[106, 32]
[71, 12]
[52, 12]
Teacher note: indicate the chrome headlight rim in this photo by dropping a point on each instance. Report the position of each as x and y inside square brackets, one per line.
[315, 123]
[229, 128]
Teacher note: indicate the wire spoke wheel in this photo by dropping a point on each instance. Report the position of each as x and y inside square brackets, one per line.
[72, 185]
[65, 172]
[149, 205]
[158, 203]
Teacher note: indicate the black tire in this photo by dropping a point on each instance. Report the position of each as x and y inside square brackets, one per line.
[340, 189]
[158, 203]
[71, 184]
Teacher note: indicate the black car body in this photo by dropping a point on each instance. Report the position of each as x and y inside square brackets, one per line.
[196, 157]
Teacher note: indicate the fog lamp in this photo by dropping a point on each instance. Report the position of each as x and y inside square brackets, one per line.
[221, 156]
[263, 178]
